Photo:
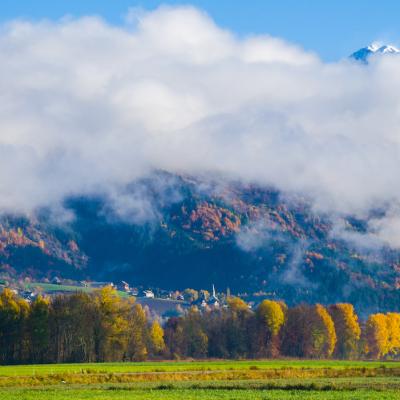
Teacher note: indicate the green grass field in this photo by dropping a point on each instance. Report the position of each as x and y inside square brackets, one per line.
[167, 366]
[51, 287]
[282, 379]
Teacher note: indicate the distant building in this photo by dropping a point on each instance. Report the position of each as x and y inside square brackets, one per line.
[148, 294]
[124, 286]
[212, 302]
[29, 296]
[56, 281]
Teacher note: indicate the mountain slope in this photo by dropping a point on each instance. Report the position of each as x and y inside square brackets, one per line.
[199, 232]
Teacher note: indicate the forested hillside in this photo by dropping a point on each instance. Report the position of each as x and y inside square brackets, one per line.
[175, 232]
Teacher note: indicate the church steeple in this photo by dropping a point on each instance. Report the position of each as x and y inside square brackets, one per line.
[213, 300]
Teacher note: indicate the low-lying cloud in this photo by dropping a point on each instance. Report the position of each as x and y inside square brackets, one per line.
[88, 107]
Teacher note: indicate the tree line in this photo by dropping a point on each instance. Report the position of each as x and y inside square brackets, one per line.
[101, 326]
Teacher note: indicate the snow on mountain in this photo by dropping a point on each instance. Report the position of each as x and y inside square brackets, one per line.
[374, 48]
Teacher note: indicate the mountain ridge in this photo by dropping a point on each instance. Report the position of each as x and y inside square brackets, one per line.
[365, 53]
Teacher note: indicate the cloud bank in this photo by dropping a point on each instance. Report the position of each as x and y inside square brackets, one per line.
[86, 107]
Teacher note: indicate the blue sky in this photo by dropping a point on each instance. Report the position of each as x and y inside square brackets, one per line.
[332, 28]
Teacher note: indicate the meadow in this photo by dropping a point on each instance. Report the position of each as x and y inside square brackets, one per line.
[281, 379]
[55, 288]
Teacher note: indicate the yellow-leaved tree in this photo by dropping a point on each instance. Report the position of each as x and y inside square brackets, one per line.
[236, 304]
[393, 326]
[112, 333]
[323, 332]
[157, 344]
[377, 336]
[271, 315]
[348, 330]
[137, 348]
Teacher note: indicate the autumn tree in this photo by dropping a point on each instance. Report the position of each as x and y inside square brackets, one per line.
[237, 328]
[377, 336]
[190, 295]
[323, 332]
[13, 335]
[138, 335]
[236, 304]
[271, 317]
[216, 325]
[308, 332]
[186, 336]
[73, 328]
[347, 329]
[204, 294]
[295, 331]
[174, 337]
[103, 326]
[393, 326]
[113, 327]
[156, 338]
[195, 336]
[39, 330]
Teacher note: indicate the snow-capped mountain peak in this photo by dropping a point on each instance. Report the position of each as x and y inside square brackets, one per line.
[374, 48]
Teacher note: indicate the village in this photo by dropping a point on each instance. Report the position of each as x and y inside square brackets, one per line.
[163, 303]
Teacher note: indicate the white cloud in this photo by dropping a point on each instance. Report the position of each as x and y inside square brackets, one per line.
[387, 228]
[86, 106]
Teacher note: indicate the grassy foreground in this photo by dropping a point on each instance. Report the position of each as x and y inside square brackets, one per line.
[203, 380]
